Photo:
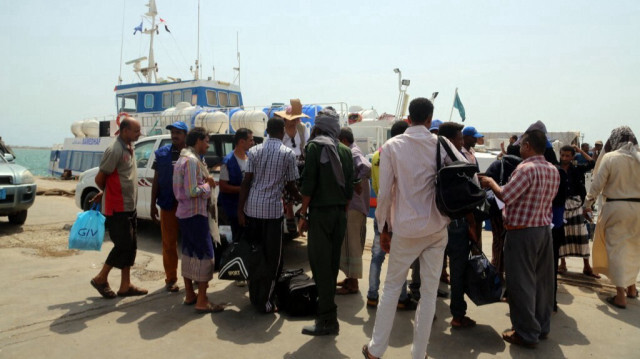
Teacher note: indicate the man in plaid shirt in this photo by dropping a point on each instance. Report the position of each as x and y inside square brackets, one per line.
[528, 247]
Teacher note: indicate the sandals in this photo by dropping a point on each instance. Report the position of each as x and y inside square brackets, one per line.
[589, 273]
[562, 269]
[633, 296]
[211, 308]
[464, 322]
[104, 289]
[367, 355]
[191, 302]
[133, 291]
[612, 301]
[346, 290]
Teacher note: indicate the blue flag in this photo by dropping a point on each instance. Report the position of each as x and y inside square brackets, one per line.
[458, 105]
[137, 28]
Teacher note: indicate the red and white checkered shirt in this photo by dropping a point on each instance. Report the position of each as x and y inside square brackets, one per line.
[529, 193]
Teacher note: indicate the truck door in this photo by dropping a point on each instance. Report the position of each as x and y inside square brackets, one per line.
[144, 151]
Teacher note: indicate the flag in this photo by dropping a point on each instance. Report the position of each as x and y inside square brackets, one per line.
[163, 22]
[434, 95]
[137, 28]
[458, 105]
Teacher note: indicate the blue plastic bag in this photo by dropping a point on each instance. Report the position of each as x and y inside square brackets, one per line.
[87, 233]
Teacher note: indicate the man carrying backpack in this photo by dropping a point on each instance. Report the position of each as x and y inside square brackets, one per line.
[407, 185]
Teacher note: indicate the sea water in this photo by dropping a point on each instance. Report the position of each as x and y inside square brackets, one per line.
[35, 160]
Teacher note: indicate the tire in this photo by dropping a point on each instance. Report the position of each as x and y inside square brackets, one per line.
[86, 204]
[18, 218]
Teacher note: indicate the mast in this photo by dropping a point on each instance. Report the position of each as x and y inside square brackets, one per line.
[197, 73]
[151, 65]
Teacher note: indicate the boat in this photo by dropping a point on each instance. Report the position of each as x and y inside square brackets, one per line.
[154, 101]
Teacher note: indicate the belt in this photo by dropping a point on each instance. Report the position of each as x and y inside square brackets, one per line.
[623, 199]
[513, 228]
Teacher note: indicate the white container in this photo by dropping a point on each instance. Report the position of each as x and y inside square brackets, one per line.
[91, 128]
[369, 115]
[213, 122]
[76, 129]
[256, 121]
[183, 111]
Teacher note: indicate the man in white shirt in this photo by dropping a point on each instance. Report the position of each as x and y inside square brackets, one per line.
[407, 207]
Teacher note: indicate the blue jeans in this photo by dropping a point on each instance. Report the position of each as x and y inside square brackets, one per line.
[377, 258]
[458, 250]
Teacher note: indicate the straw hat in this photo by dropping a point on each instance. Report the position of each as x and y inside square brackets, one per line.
[292, 112]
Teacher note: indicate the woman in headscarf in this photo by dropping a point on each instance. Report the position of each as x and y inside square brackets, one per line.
[616, 246]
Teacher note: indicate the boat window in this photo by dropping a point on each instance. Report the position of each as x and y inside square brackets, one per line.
[194, 99]
[143, 153]
[234, 100]
[224, 98]
[128, 103]
[212, 99]
[186, 96]
[227, 147]
[148, 100]
[166, 99]
[177, 97]
[76, 161]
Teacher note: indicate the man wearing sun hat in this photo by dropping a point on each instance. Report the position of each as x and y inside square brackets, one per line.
[295, 137]
[162, 195]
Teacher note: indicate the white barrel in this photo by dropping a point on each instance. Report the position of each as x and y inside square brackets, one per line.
[369, 115]
[183, 111]
[76, 129]
[256, 121]
[91, 128]
[213, 122]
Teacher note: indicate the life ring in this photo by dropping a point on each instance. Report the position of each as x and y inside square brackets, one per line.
[123, 115]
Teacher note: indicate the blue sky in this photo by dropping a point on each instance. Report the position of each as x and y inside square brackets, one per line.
[573, 64]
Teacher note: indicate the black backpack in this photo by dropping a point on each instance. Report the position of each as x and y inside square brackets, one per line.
[456, 192]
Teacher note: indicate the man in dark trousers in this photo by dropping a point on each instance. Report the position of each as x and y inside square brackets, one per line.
[528, 248]
[327, 188]
[117, 180]
[270, 167]
[162, 195]
[232, 171]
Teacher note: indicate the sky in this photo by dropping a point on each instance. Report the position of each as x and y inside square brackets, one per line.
[575, 65]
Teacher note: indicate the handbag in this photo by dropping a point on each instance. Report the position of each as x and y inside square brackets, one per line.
[234, 262]
[483, 283]
[456, 192]
[297, 293]
[87, 232]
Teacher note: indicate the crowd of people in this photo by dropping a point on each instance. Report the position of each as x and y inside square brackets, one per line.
[539, 214]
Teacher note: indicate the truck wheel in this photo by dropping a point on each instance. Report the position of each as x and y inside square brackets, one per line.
[18, 218]
[86, 204]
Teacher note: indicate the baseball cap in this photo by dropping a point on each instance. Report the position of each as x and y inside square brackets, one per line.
[599, 142]
[435, 124]
[471, 131]
[178, 125]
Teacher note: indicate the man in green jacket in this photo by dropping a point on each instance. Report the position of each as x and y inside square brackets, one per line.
[327, 188]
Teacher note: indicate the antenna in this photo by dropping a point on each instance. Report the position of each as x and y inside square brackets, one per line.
[121, 44]
[238, 55]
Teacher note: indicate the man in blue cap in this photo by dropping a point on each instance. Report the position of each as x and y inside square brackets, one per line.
[162, 195]
[435, 126]
[470, 137]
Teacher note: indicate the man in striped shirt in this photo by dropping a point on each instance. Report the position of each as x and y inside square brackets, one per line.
[271, 166]
[528, 248]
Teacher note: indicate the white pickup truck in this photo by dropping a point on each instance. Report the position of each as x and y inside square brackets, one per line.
[219, 146]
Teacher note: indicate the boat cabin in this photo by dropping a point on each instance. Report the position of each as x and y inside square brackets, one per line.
[157, 97]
